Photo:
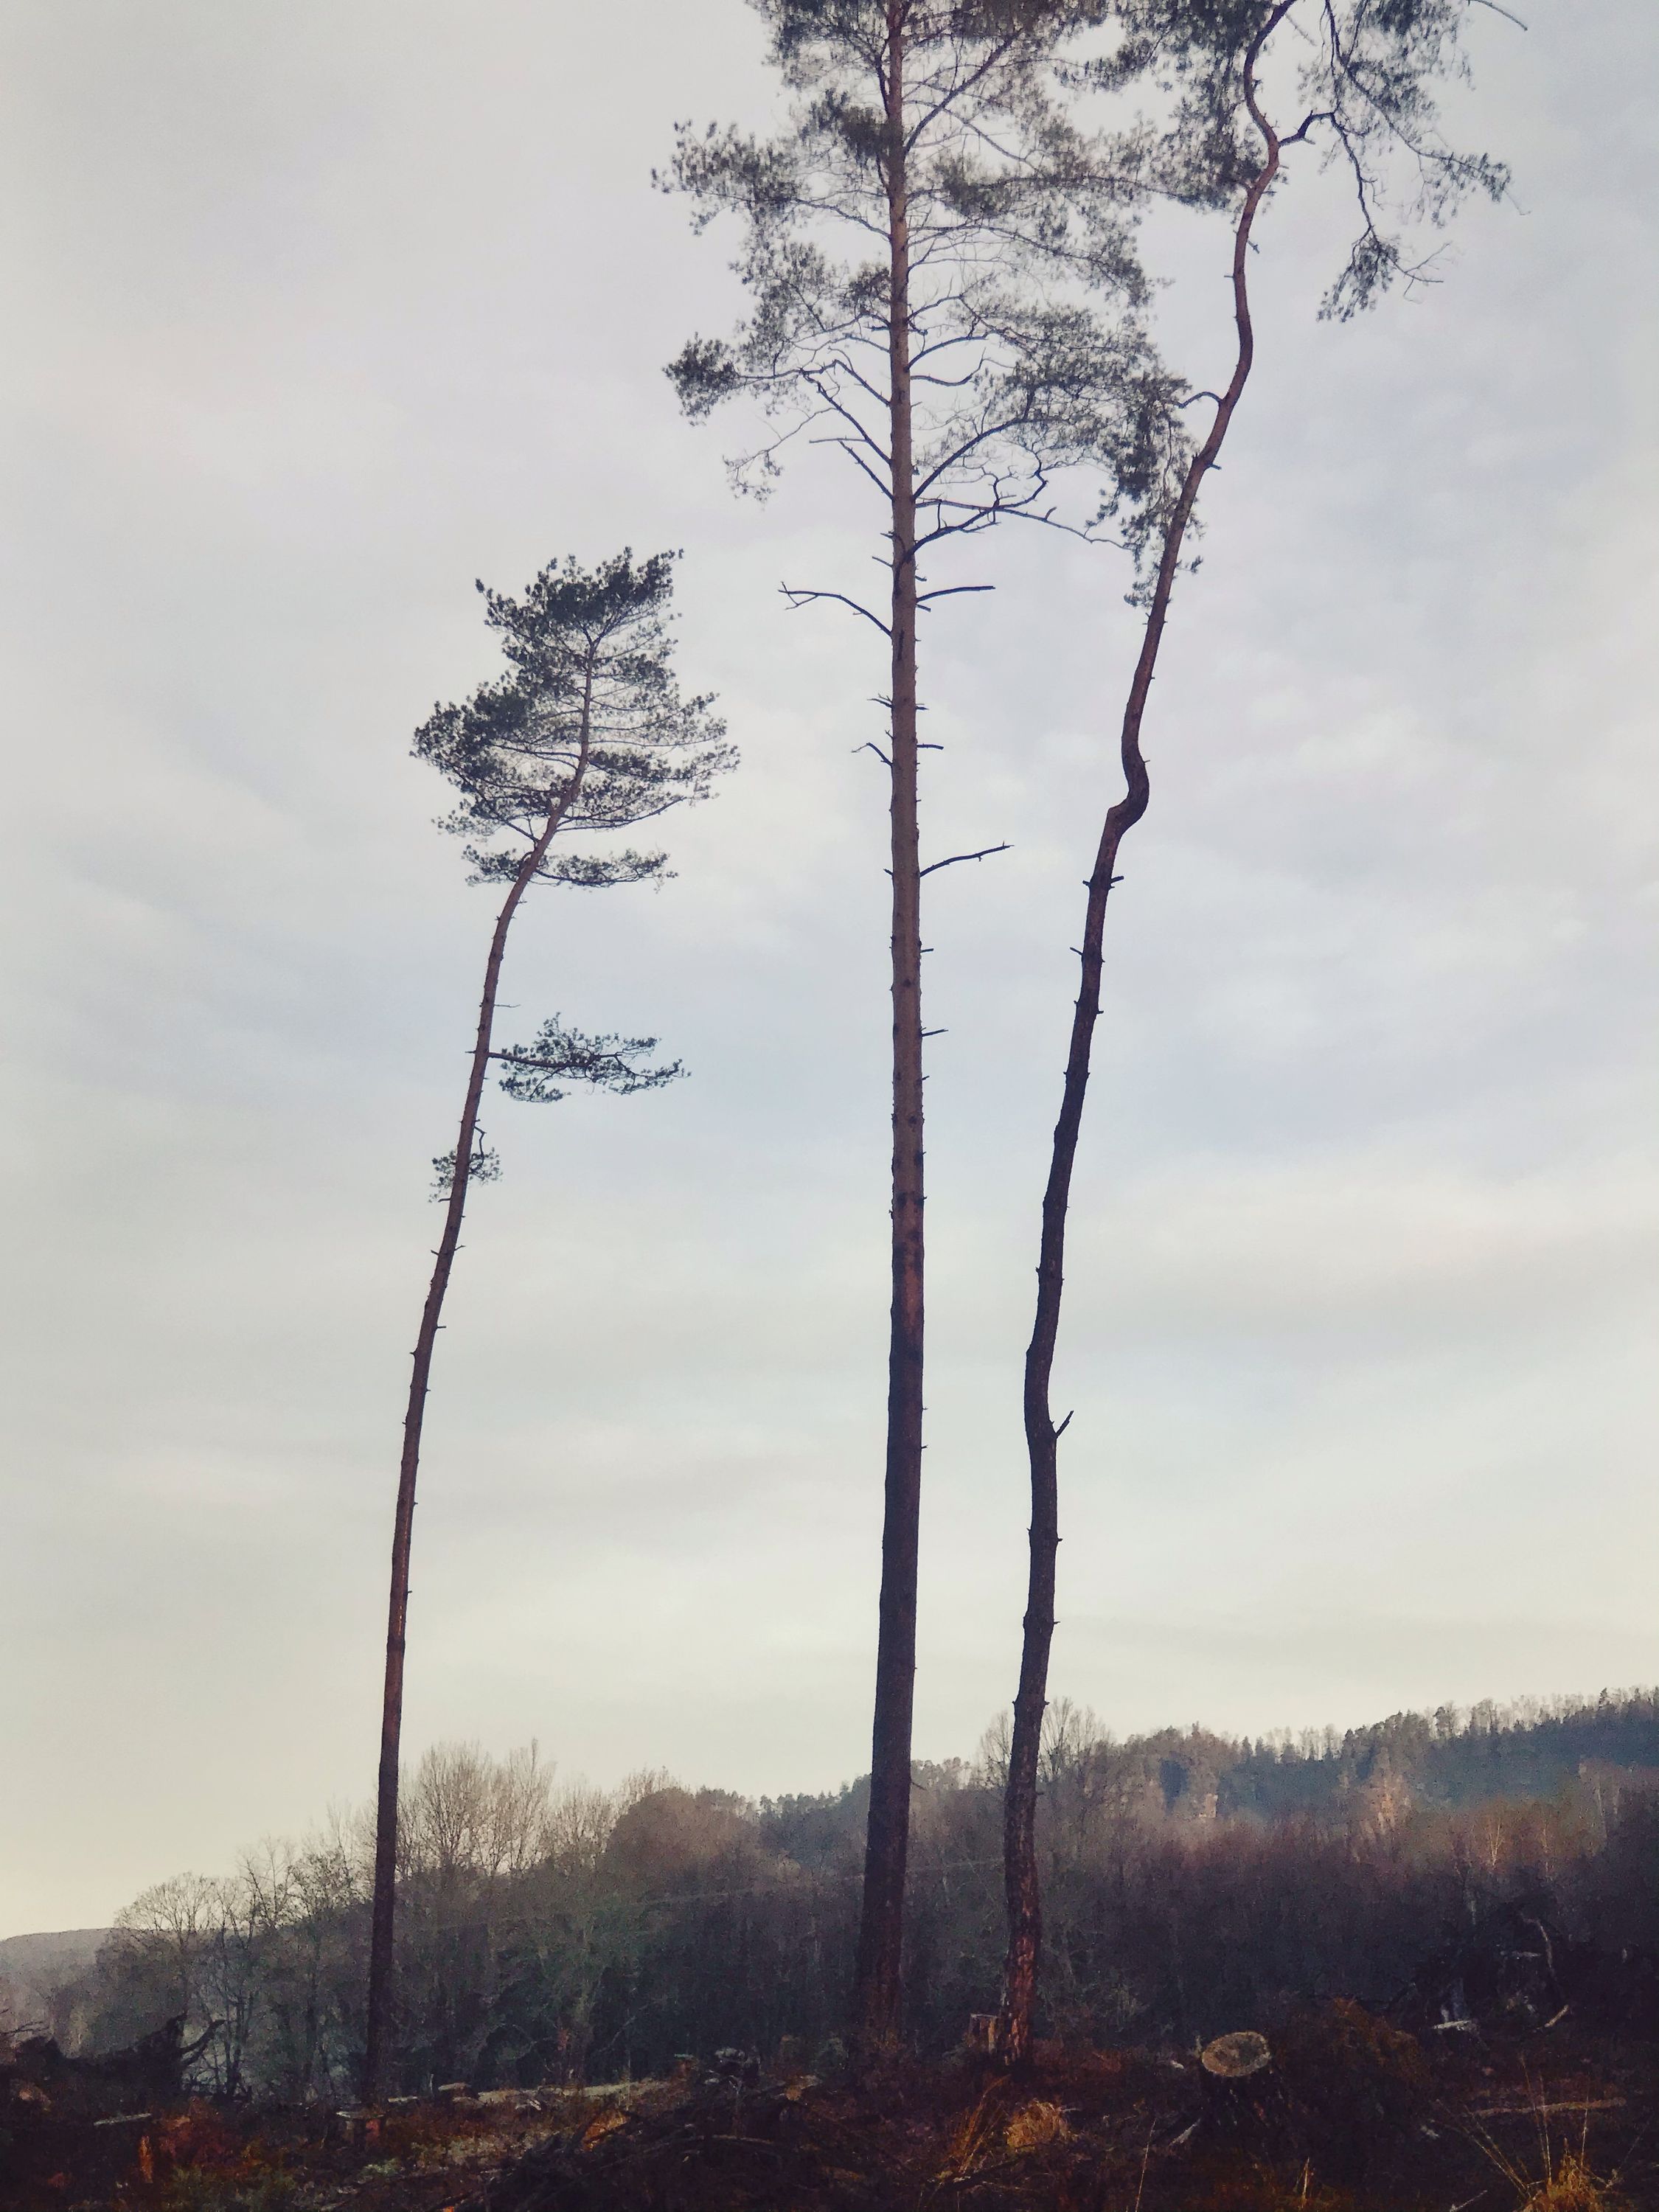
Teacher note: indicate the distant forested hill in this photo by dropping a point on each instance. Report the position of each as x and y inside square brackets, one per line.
[1450, 1759]
[1447, 1760]
[33, 1969]
[1191, 1883]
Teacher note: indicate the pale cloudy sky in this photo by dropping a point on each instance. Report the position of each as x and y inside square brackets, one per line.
[315, 313]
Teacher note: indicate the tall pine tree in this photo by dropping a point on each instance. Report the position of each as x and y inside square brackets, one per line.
[1366, 75]
[587, 733]
[940, 260]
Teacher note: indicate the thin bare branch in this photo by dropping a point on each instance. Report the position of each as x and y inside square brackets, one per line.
[983, 853]
[799, 599]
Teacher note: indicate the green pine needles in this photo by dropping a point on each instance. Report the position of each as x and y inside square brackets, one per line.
[588, 733]
[1027, 355]
[589, 730]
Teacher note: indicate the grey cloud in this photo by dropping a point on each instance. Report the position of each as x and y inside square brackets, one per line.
[317, 315]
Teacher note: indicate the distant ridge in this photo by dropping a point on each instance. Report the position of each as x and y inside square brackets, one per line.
[33, 1966]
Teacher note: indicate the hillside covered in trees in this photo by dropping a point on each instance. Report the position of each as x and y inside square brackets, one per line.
[1196, 1885]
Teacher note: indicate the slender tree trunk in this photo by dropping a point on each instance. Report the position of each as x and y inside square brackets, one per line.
[881, 1935]
[1041, 1436]
[377, 2055]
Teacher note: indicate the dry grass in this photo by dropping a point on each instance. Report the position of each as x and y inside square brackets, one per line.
[1572, 2188]
[1555, 2130]
[1035, 2124]
[978, 2135]
[1559, 2177]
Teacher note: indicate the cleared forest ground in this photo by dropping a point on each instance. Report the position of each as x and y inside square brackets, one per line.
[1353, 2116]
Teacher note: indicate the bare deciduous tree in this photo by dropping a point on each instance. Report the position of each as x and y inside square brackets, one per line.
[1185, 1877]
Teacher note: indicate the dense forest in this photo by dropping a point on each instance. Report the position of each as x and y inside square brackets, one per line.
[1195, 1884]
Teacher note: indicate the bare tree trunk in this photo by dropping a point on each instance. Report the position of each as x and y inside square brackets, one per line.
[1041, 1436]
[377, 2041]
[881, 1935]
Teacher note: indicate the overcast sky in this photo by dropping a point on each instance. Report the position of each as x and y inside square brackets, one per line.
[315, 313]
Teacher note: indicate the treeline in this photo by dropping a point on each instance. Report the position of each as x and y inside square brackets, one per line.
[1528, 1749]
[1192, 1884]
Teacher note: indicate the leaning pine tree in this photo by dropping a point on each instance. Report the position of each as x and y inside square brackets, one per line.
[1365, 74]
[587, 733]
[941, 263]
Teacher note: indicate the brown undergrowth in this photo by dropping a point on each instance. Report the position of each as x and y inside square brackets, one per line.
[1553, 2172]
[1357, 2117]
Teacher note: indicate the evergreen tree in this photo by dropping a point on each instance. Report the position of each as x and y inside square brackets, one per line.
[944, 290]
[1369, 72]
[587, 733]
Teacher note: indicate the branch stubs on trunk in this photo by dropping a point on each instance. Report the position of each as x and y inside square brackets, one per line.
[589, 731]
[1371, 71]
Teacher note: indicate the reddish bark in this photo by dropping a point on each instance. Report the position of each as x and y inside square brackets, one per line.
[377, 2047]
[878, 1997]
[1041, 1436]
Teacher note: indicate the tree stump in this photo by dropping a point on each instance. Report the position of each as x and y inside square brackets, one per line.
[1243, 2096]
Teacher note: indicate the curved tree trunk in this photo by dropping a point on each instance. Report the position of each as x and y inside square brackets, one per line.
[1041, 1436]
[377, 2054]
[878, 1997]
